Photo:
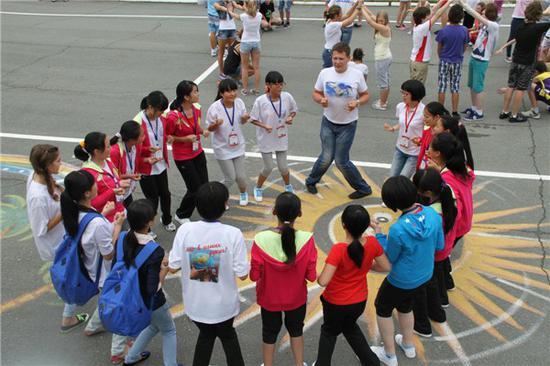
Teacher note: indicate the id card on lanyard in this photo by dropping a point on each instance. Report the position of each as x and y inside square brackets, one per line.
[187, 123]
[233, 138]
[130, 161]
[155, 132]
[404, 140]
[281, 127]
[118, 197]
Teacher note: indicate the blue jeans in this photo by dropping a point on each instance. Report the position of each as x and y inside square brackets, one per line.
[327, 58]
[403, 164]
[336, 143]
[69, 310]
[161, 320]
[346, 35]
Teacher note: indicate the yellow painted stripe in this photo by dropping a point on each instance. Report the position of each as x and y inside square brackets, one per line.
[25, 298]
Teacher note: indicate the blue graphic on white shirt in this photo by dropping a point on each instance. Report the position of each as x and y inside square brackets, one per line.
[338, 89]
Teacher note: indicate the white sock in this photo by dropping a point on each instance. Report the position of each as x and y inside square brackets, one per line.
[536, 110]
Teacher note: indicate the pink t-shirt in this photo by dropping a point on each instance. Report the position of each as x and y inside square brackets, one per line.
[519, 9]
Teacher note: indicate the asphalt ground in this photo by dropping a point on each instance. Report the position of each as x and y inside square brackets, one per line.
[66, 76]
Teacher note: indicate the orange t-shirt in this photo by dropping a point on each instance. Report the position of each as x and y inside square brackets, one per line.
[349, 283]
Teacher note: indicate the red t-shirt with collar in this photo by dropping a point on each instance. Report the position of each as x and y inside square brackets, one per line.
[177, 124]
[349, 283]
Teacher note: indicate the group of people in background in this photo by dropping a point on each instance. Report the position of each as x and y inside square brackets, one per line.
[430, 186]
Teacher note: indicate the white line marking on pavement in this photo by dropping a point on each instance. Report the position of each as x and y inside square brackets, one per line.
[304, 159]
[531, 292]
[148, 16]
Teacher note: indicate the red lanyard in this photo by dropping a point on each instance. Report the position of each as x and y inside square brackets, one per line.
[187, 122]
[407, 120]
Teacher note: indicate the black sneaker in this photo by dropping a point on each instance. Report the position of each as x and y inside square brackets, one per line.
[455, 114]
[517, 119]
[504, 115]
[286, 24]
[311, 188]
[359, 194]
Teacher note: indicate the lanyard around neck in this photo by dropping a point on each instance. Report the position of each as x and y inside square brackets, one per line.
[408, 120]
[280, 112]
[231, 119]
[156, 131]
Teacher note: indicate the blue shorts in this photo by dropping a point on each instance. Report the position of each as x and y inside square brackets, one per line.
[213, 24]
[476, 74]
[225, 34]
[249, 47]
[285, 4]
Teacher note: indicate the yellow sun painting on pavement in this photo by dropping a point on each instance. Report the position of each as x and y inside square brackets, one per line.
[489, 265]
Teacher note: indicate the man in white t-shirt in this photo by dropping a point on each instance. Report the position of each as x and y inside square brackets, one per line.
[340, 90]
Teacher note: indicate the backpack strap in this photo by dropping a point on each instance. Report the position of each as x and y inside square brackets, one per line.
[81, 228]
[120, 246]
[145, 253]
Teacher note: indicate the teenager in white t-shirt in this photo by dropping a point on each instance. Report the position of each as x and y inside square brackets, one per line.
[210, 256]
[357, 62]
[97, 241]
[250, 45]
[411, 125]
[272, 114]
[44, 214]
[347, 6]
[340, 90]
[336, 21]
[224, 119]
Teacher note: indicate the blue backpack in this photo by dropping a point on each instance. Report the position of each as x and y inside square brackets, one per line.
[121, 307]
[69, 276]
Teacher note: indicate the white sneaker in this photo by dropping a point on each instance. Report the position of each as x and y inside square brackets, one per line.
[531, 114]
[258, 194]
[410, 351]
[289, 188]
[180, 220]
[170, 227]
[214, 52]
[243, 201]
[379, 106]
[383, 357]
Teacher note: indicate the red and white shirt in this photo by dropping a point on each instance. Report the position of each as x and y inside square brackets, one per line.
[422, 42]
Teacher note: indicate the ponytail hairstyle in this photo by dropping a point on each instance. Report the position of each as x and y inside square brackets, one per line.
[453, 125]
[77, 183]
[156, 100]
[452, 153]
[41, 157]
[436, 109]
[358, 55]
[356, 220]
[430, 181]
[130, 130]
[287, 208]
[251, 8]
[224, 86]
[140, 213]
[184, 89]
[93, 141]
[333, 12]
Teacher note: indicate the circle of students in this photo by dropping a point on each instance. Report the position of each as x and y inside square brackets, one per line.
[100, 239]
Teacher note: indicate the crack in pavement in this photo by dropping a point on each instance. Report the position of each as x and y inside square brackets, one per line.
[37, 61]
[159, 24]
[541, 197]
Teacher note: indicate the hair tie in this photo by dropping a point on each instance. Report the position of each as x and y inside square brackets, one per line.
[118, 135]
[286, 222]
[82, 144]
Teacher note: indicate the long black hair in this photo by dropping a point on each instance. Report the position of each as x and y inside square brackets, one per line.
[453, 125]
[156, 100]
[287, 208]
[77, 183]
[224, 86]
[356, 220]
[436, 109]
[452, 153]
[184, 89]
[92, 141]
[139, 214]
[130, 130]
[429, 180]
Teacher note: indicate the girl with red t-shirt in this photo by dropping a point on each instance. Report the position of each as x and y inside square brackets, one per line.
[345, 279]
[432, 114]
[94, 151]
[183, 128]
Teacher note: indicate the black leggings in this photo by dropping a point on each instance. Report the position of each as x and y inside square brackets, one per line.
[194, 174]
[273, 320]
[343, 319]
[205, 343]
[155, 187]
[427, 304]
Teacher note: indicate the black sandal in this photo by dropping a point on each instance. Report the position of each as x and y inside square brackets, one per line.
[144, 355]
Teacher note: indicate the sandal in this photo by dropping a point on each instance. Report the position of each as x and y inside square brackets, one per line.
[144, 355]
[80, 320]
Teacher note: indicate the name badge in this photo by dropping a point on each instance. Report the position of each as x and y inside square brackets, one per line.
[233, 139]
[281, 131]
[195, 145]
[119, 198]
[404, 141]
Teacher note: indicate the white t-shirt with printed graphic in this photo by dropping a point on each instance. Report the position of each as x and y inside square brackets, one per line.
[340, 89]
[486, 42]
[411, 124]
[227, 133]
[422, 42]
[211, 255]
[268, 112]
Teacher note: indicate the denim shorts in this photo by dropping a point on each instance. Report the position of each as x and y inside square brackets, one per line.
[248, 47]
[285, 4]
[224, 34]
[213, 24]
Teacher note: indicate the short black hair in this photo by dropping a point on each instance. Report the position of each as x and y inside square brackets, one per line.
[274, 77]
[456, 13]
[211, 200]
[419, 14]
[416, 88]
[398, 193]
[540, 67]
